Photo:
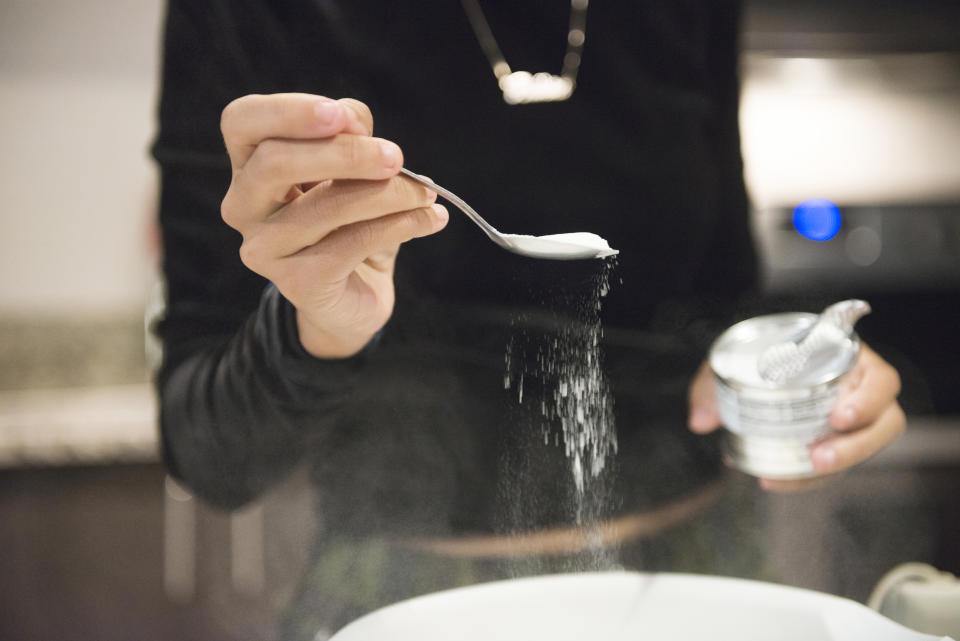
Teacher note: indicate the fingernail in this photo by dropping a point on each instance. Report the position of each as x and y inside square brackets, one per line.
[430, 193]
[391, 154]
[824, 458]
[701, 420]
[440, 212]
[326, 112]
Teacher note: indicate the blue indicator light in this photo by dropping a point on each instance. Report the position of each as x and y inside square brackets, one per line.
[817, 219]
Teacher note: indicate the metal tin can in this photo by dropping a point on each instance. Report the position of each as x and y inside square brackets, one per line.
[770, 426]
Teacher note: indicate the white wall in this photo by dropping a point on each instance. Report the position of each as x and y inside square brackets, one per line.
[858, 130]
[77, 94]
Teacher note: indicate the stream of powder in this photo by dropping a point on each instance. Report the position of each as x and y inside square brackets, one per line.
[574, 391]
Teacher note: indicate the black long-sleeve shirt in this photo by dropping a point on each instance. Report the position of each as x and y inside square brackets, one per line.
[417, 433]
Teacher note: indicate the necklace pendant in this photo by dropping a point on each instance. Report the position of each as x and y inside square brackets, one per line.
[521, 87]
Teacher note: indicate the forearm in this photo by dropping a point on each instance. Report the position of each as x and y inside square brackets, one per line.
[236, 416]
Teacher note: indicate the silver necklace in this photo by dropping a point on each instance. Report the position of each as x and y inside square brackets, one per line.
[520, 87]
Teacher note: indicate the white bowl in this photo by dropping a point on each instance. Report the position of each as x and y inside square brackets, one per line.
[621, 606]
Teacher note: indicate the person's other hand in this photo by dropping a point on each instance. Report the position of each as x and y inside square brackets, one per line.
[322, 211]
[866, 418]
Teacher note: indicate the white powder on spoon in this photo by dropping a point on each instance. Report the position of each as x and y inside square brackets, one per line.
[573, 245]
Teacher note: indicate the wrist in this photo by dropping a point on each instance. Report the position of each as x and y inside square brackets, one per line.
[324, 344]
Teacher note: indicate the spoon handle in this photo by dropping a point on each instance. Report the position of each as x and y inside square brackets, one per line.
[487, 228]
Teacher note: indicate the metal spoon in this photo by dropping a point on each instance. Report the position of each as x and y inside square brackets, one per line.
[781, 362]
[571, 246]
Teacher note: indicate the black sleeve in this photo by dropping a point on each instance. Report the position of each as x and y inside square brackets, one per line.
[237, 416]
[239, 397]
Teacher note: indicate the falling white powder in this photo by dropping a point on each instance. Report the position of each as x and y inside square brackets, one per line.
[576, 394]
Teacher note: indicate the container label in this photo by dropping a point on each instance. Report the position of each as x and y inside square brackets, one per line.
[803, 415]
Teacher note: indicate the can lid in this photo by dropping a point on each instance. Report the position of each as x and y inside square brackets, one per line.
[743, 354]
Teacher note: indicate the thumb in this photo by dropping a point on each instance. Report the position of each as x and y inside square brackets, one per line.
[702, 396]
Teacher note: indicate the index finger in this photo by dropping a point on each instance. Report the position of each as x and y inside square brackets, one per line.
[703, 416]
[248, 121]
